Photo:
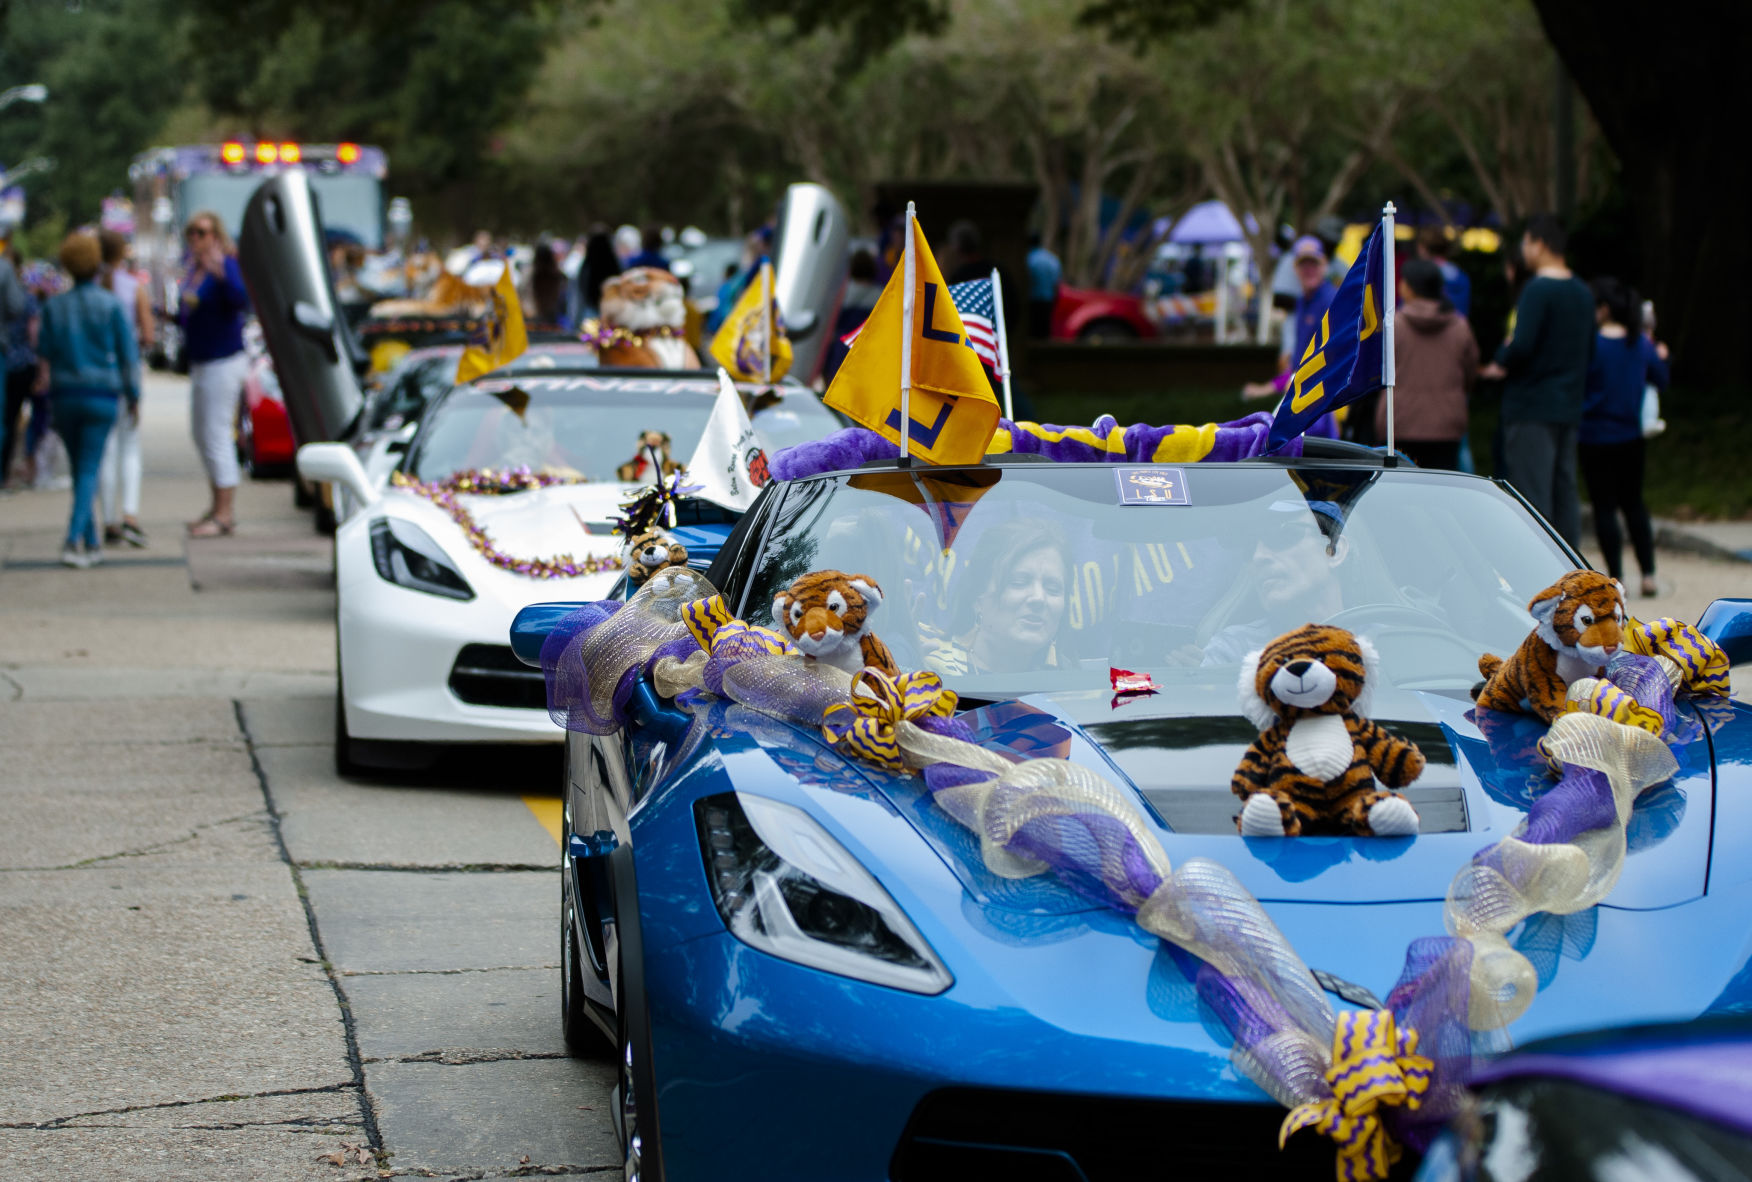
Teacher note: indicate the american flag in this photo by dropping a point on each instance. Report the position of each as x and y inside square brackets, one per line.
[973, 300]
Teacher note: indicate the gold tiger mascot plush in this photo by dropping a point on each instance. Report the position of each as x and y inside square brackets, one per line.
[651, 306]
[826, 613]
[1578, 627]
[1313, 768]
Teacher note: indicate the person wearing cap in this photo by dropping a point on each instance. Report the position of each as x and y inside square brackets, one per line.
[1309, 257]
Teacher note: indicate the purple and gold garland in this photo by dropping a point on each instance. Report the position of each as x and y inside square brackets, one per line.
[488, 482]
[594, 332]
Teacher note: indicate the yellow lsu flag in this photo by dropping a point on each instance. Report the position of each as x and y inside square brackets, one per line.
[742, 346]
[503, 338]
[953, 410]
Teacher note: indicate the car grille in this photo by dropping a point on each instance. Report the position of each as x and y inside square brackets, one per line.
[961, 1133]
[491, 675]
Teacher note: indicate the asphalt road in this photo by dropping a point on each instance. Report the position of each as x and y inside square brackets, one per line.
[218, 959]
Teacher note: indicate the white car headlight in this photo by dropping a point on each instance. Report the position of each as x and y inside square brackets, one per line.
[406, 555]
[786, 887]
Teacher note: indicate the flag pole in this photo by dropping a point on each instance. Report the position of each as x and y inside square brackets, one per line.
[766, 320]
[1003, 343]
[908, 283]
[1389, 297]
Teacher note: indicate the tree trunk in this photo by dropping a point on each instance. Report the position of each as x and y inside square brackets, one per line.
[1658, 80]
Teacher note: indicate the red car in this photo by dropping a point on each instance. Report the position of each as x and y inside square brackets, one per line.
[265, 446]
[1082, 315]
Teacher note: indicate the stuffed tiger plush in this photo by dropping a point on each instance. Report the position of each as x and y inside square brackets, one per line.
[1314, 765]
[826, 613]
[651, 552]
[1578, 626]
[652, 304]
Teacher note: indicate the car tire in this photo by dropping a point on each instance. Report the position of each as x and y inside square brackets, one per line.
[345, 762]
[1106, 332]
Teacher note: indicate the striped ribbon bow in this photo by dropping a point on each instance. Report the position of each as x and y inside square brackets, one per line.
[1373, 1063]
[710, 623]
[1588, 695]
[1701, 661]
[865, 725]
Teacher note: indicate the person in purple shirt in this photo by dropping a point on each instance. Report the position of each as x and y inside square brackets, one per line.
[1610, 443]
[1301, 325]
[214, 304]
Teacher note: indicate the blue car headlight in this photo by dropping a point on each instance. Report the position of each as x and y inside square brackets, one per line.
[786, 887]
[406, 555]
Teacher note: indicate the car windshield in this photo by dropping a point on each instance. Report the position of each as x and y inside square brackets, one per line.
[426, 373]
[1027, 578]
[590, 425]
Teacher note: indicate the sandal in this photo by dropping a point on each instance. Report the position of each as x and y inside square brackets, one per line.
[1650, 588]
[211, 527]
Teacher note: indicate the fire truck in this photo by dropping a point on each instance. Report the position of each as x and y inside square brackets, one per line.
[172, 184]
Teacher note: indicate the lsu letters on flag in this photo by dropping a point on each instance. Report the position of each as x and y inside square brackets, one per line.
[502, 338]
[974, 304]
[1343, 359]
[728, 466]
[953, 410]
[741, 345]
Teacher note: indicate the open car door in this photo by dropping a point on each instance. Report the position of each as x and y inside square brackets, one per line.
[316, 356]
[809, 273]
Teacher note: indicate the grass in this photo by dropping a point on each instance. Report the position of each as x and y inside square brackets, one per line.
[1697, 470]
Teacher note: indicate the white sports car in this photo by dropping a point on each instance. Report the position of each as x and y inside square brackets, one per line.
[429, 574]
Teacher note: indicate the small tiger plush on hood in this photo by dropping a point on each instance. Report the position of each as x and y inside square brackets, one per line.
[651, 552]
[1578, 627]
[1314, 766]
[826, 613]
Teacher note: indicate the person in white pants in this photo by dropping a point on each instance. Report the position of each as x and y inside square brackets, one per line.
[214, 304]
[120, 473]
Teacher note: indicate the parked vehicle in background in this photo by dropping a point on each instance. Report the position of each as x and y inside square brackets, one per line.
[700, 263]
[172, 183]
[1100, 316]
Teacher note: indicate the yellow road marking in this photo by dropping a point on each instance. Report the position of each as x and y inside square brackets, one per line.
[550, 811]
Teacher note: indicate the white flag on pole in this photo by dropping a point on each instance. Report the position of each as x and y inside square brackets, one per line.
[729, 465]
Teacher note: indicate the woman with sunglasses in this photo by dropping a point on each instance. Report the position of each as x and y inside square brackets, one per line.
[214, 304]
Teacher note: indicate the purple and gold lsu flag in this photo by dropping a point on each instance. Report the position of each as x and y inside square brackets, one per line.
[953, 409]
[1343, 360]
[751, 343]
[501, 338]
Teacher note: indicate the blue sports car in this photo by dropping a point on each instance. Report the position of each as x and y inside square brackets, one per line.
[808, 971]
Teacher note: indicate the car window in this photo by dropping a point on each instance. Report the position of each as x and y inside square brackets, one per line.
[1019, 578]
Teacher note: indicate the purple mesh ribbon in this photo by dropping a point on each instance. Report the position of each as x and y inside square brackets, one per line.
[1581, 801]
[568, 685]
[1431, 998]
[1642, 679]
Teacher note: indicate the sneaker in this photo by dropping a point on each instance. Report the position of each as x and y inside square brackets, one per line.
[133, 535]
[112, 534]
[71, 556]
[94, 556]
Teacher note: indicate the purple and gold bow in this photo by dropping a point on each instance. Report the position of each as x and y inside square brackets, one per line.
[865, 725]
[710, 623]
[1702, 663]
[1373, 1064]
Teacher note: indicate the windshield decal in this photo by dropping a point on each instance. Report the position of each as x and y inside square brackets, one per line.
[1151, 486]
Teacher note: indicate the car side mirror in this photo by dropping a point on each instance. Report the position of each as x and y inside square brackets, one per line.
[799, 327]
[336, 463]
[1728, 622]
[316, 326]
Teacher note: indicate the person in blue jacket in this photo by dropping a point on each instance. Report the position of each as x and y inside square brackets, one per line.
[1610, 444]
[214, 305]
[87, 361]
